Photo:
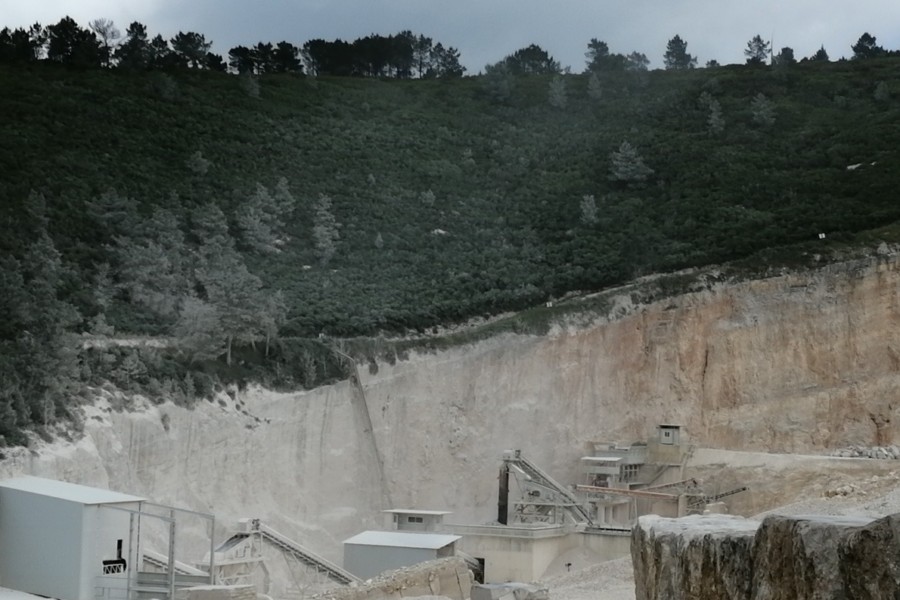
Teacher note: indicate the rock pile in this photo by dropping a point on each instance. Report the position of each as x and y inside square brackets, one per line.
[448, 578]
[719, 557]
[880, 452]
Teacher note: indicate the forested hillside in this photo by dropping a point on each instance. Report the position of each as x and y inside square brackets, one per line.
[240, 218]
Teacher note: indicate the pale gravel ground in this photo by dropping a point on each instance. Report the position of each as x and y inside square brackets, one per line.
[609, 580]
[875, 496]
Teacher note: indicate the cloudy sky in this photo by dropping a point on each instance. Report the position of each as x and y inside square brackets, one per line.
[486, 30]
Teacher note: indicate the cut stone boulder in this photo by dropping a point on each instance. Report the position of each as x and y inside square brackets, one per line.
[782, 558]
[868, 559]
[797, 557]
[703, 557]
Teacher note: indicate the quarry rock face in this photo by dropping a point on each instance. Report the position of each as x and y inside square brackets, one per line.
[783, 558]
[803, 362]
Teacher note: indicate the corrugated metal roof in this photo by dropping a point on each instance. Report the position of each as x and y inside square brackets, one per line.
[63, 490]
[410, 511]
[8, 594]
[399, 539]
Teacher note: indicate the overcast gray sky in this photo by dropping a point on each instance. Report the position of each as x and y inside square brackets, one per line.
[487, 30]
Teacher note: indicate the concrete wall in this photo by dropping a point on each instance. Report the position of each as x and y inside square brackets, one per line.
[607, 547]
[505, 558]
[527, 558]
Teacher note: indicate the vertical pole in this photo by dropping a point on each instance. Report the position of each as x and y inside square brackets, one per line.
[138, 553]
[171, 564]
[212, 551]
[132, 557]
[503, 495]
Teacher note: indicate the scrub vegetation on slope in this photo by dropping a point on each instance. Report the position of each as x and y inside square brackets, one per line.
[246, 220]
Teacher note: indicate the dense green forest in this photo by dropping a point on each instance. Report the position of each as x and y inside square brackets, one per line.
[251, 223]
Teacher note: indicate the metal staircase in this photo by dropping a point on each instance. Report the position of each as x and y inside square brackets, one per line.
[537, 478]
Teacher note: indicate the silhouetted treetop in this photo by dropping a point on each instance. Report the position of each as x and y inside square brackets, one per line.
[531, 60]
[865, 47]
[676, 56]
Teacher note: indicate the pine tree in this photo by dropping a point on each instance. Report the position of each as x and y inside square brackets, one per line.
[134, 53]
[325, 230]
[763, 110]
[594, 87]
[715, 120]
[627, 165]
[198, 329]
[499, 82]
[557, 93]
[589, 210]
[153, 264]
[757, 51]
[866, 47]
[785, 58]
[677, 57]
[261, 219]
[820, 55]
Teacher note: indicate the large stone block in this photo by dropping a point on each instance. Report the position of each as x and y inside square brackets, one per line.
[698, 557]
[783, 558]
[869, 560]
[797, 557]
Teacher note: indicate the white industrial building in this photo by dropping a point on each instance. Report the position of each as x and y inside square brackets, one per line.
[57, 538]
[74, 542]
[372, 552]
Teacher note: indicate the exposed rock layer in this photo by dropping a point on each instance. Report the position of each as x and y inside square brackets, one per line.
[801, 362]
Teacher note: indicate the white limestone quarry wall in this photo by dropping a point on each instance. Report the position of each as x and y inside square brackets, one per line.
[798, 363]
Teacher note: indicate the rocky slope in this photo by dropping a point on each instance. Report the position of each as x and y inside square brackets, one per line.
[803, 362]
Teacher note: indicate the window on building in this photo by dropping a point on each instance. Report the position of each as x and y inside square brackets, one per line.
[629, 472]
[415, 520]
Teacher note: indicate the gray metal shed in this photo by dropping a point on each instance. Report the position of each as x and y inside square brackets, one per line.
[58, 538]
[372, 552]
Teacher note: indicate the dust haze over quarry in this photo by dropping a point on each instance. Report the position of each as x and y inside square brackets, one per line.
[796, 363]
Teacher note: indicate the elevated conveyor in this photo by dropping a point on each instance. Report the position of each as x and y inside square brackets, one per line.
[160, 561]
[290, 549]
[535, 477]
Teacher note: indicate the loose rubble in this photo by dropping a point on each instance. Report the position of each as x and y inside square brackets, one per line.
[877, 452]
